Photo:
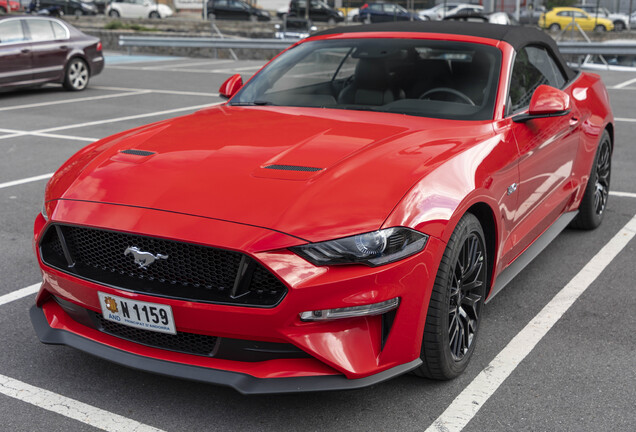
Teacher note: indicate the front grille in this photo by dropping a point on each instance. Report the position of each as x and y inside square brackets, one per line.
[160, 267]
[189, 343]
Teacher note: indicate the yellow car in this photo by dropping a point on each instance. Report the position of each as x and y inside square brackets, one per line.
[559, 18]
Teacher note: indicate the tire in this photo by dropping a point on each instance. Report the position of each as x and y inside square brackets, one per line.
[594, 202]
[154, 15]
[77, 75]
[619, 26]
[600, 29]
[331, 21]
[555, 27]
[445, 351]
[113, 13]
[253, 18]
[2, 10]
[78, 12]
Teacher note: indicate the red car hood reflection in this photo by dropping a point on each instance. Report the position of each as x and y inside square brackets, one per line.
[243, 164]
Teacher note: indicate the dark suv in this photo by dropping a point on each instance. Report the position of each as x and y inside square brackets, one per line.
[318, 11]
[236, 10]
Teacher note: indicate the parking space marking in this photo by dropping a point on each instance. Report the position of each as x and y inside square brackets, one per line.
[16, 132]
[230, 70]
[476, 394]
[16, 295]
[623, 119]
[625, 83]
[66, 101]
[25, 180]
[199, 63]
[173, 92]
[71, 408]
[623, 194]
[111, 120]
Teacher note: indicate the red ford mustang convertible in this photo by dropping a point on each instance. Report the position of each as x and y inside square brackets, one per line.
[341, 220]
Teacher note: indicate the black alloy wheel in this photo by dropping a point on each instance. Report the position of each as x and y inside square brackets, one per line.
[603, 173]
[594, 202]
[454, 312]
[466, 296]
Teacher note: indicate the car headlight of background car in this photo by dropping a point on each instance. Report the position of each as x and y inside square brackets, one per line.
[373, 248]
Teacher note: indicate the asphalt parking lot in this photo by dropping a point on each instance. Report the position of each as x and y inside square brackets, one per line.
[568, 367]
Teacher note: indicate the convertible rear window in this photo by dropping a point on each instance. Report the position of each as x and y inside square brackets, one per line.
[439, 79]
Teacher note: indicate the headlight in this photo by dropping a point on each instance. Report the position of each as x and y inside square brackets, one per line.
[373, 249]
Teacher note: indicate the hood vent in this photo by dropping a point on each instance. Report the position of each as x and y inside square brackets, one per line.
[293, 168]
[138, 152]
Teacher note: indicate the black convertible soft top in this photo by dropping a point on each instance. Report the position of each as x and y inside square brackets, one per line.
[517, 36]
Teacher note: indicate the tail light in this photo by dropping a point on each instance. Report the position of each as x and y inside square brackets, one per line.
[99, 46]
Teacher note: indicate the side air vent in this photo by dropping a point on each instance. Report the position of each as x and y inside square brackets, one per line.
[293, 168]
[137, 152]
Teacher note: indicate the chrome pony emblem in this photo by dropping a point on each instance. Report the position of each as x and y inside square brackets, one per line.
[143, 259]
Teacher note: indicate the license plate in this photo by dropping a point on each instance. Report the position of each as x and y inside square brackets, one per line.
[144, 315]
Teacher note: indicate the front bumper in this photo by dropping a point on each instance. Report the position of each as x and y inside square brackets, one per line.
[343, 353]
[243, 383]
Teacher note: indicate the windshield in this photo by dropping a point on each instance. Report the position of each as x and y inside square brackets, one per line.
[440, 79]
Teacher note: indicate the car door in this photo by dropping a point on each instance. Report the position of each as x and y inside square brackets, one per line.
[238, 10]
[15, 53]
[547, 147]
[49, 47]
[584, 20]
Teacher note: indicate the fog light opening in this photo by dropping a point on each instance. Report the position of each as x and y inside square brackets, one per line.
[351, 312]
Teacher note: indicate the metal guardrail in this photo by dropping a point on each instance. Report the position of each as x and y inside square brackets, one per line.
[597, 48]
[203, 42]
[566, 47]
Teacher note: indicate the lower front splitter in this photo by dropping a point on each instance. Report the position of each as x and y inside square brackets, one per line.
[243, 383]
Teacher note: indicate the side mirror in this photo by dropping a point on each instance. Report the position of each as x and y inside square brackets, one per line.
[232, 85]
[546, 102]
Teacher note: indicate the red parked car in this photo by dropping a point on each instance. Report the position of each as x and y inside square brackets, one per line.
[9, 6]
[37, 50]
[340, 221]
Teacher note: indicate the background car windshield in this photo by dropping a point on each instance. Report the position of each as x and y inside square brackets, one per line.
[440, 79]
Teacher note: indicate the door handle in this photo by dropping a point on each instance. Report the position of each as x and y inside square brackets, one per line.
[25, 50]
[63, 47]
[574, 121]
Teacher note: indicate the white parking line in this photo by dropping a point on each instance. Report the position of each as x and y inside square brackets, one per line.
[623, 119]
[623, 194]
[16, 132]
[70, 408]
[112, 120]
[66, 101]
[180, 65]
[625, 83]
[475, 395]
[16, 295]
[174, 92]
[25, 180]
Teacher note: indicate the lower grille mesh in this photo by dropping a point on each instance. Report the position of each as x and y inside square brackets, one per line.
[189, 343]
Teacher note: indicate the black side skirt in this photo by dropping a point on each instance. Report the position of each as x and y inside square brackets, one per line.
[531, 252]
[243, 383]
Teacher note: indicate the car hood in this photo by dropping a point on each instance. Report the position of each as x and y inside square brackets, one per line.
[312, 173]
